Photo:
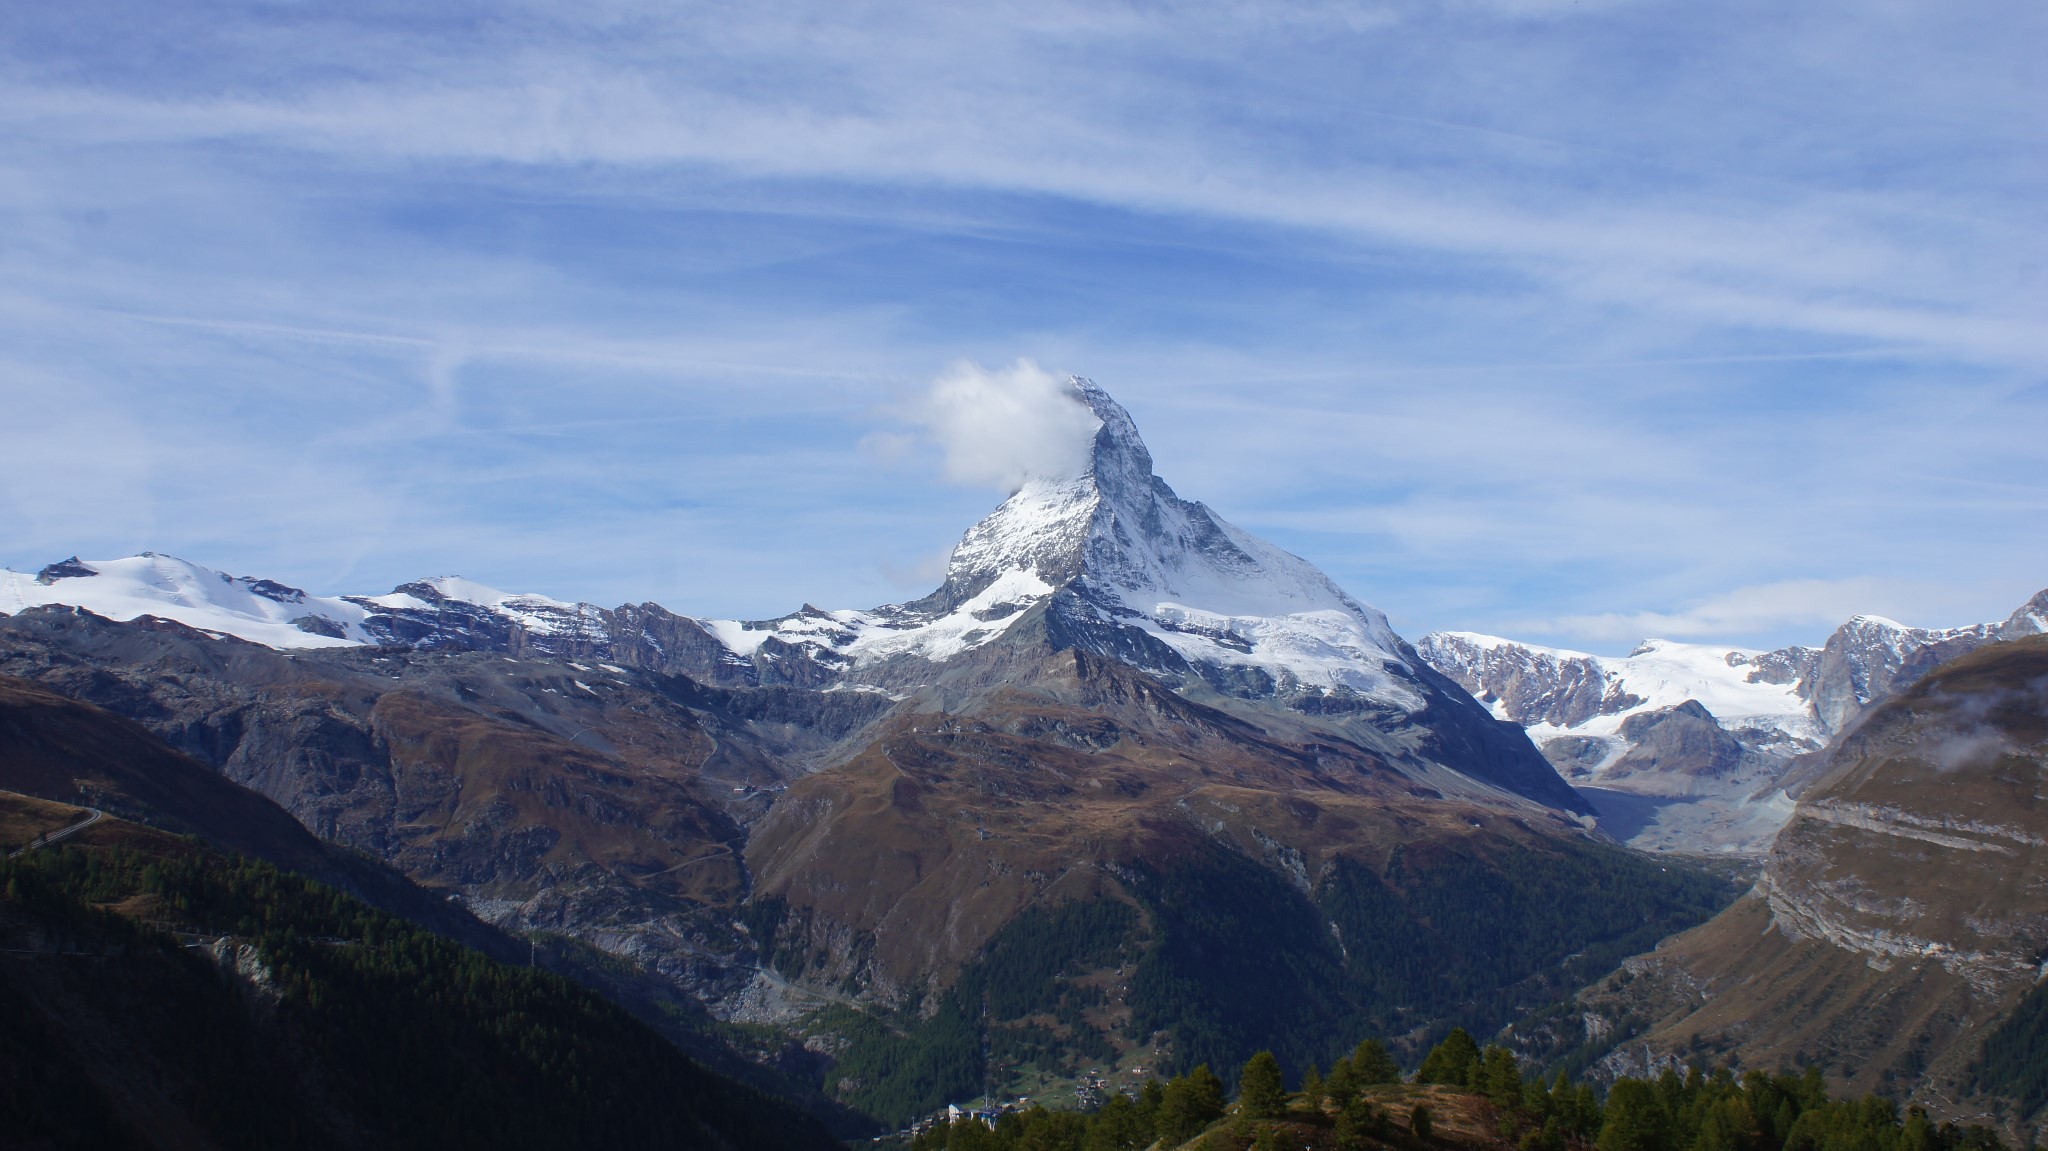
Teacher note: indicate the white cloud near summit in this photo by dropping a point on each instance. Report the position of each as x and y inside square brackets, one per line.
[999, 428]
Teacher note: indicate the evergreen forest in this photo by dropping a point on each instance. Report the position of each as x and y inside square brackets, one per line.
[254, 1008]
[1216, 955]
[1468, 1096]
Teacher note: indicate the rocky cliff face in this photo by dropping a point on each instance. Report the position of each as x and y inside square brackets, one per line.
[543, 794]
[1918, 843]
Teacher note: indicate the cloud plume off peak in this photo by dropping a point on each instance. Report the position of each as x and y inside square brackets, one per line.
[999, 428]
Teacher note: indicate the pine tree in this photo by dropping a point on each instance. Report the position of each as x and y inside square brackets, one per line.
[1371, 1064]
[1343, 1082]
[1148, 1101]
[1450, 1062]
[1190, 1103]
[1545, 1138]
[1635, 1119]
[1350, 1134]
[1118, 1126]
[1500, 1077]
[1260, 1092]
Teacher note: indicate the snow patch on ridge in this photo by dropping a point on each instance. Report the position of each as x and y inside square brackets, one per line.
[166, 587]
[1657, 675]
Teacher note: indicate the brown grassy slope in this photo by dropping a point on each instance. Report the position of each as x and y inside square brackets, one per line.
[912, 853]
[1459, 1121]
[490, 805]
[61, 749]
[24, 817]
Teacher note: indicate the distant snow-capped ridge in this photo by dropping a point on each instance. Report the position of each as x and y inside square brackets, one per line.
[259, 610]
[1711, 739]
[274, 614]
[1111, 558]
[1554, 690]
[1804, 694]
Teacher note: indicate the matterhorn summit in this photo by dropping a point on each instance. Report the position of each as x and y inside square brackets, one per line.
[1124, 566]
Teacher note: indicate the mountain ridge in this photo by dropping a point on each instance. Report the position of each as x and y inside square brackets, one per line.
[1761, 716]
[1112, 537]
[1110, 559]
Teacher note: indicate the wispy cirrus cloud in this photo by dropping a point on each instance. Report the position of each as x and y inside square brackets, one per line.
[1505, 312]
[1811, 605]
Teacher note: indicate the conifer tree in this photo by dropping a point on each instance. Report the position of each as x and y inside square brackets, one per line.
[1118, 1126]
[1450, 1062]
[1189, 1103]
[1261, 1094]
[1148, 1100]
[1371, 1064]
[1312, 1088]
[1343, 1082]
[1500, 1077]
[1635, 1119]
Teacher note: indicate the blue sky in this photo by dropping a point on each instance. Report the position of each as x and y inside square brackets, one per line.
[1579, 322]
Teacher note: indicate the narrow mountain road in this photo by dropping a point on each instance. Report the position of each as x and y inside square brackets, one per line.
[722, 849]
[93, 815]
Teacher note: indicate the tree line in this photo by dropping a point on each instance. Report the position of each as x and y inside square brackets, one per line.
[1354, 1107]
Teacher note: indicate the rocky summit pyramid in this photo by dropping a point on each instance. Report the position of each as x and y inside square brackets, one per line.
[1125, 567]
[1110, 561]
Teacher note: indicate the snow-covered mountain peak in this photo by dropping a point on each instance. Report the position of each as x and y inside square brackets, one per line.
[1126, 533]
[1125, 549]
[259, 610]
[1555, 689]
[450, 609]
[1118, 461]
[1602, 720]
[2030, 619]
[468, 591]
[452, 589]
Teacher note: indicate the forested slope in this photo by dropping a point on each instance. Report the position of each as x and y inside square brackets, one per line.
[159, 993]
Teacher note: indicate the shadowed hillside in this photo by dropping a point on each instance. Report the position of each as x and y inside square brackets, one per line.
[157, 993]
